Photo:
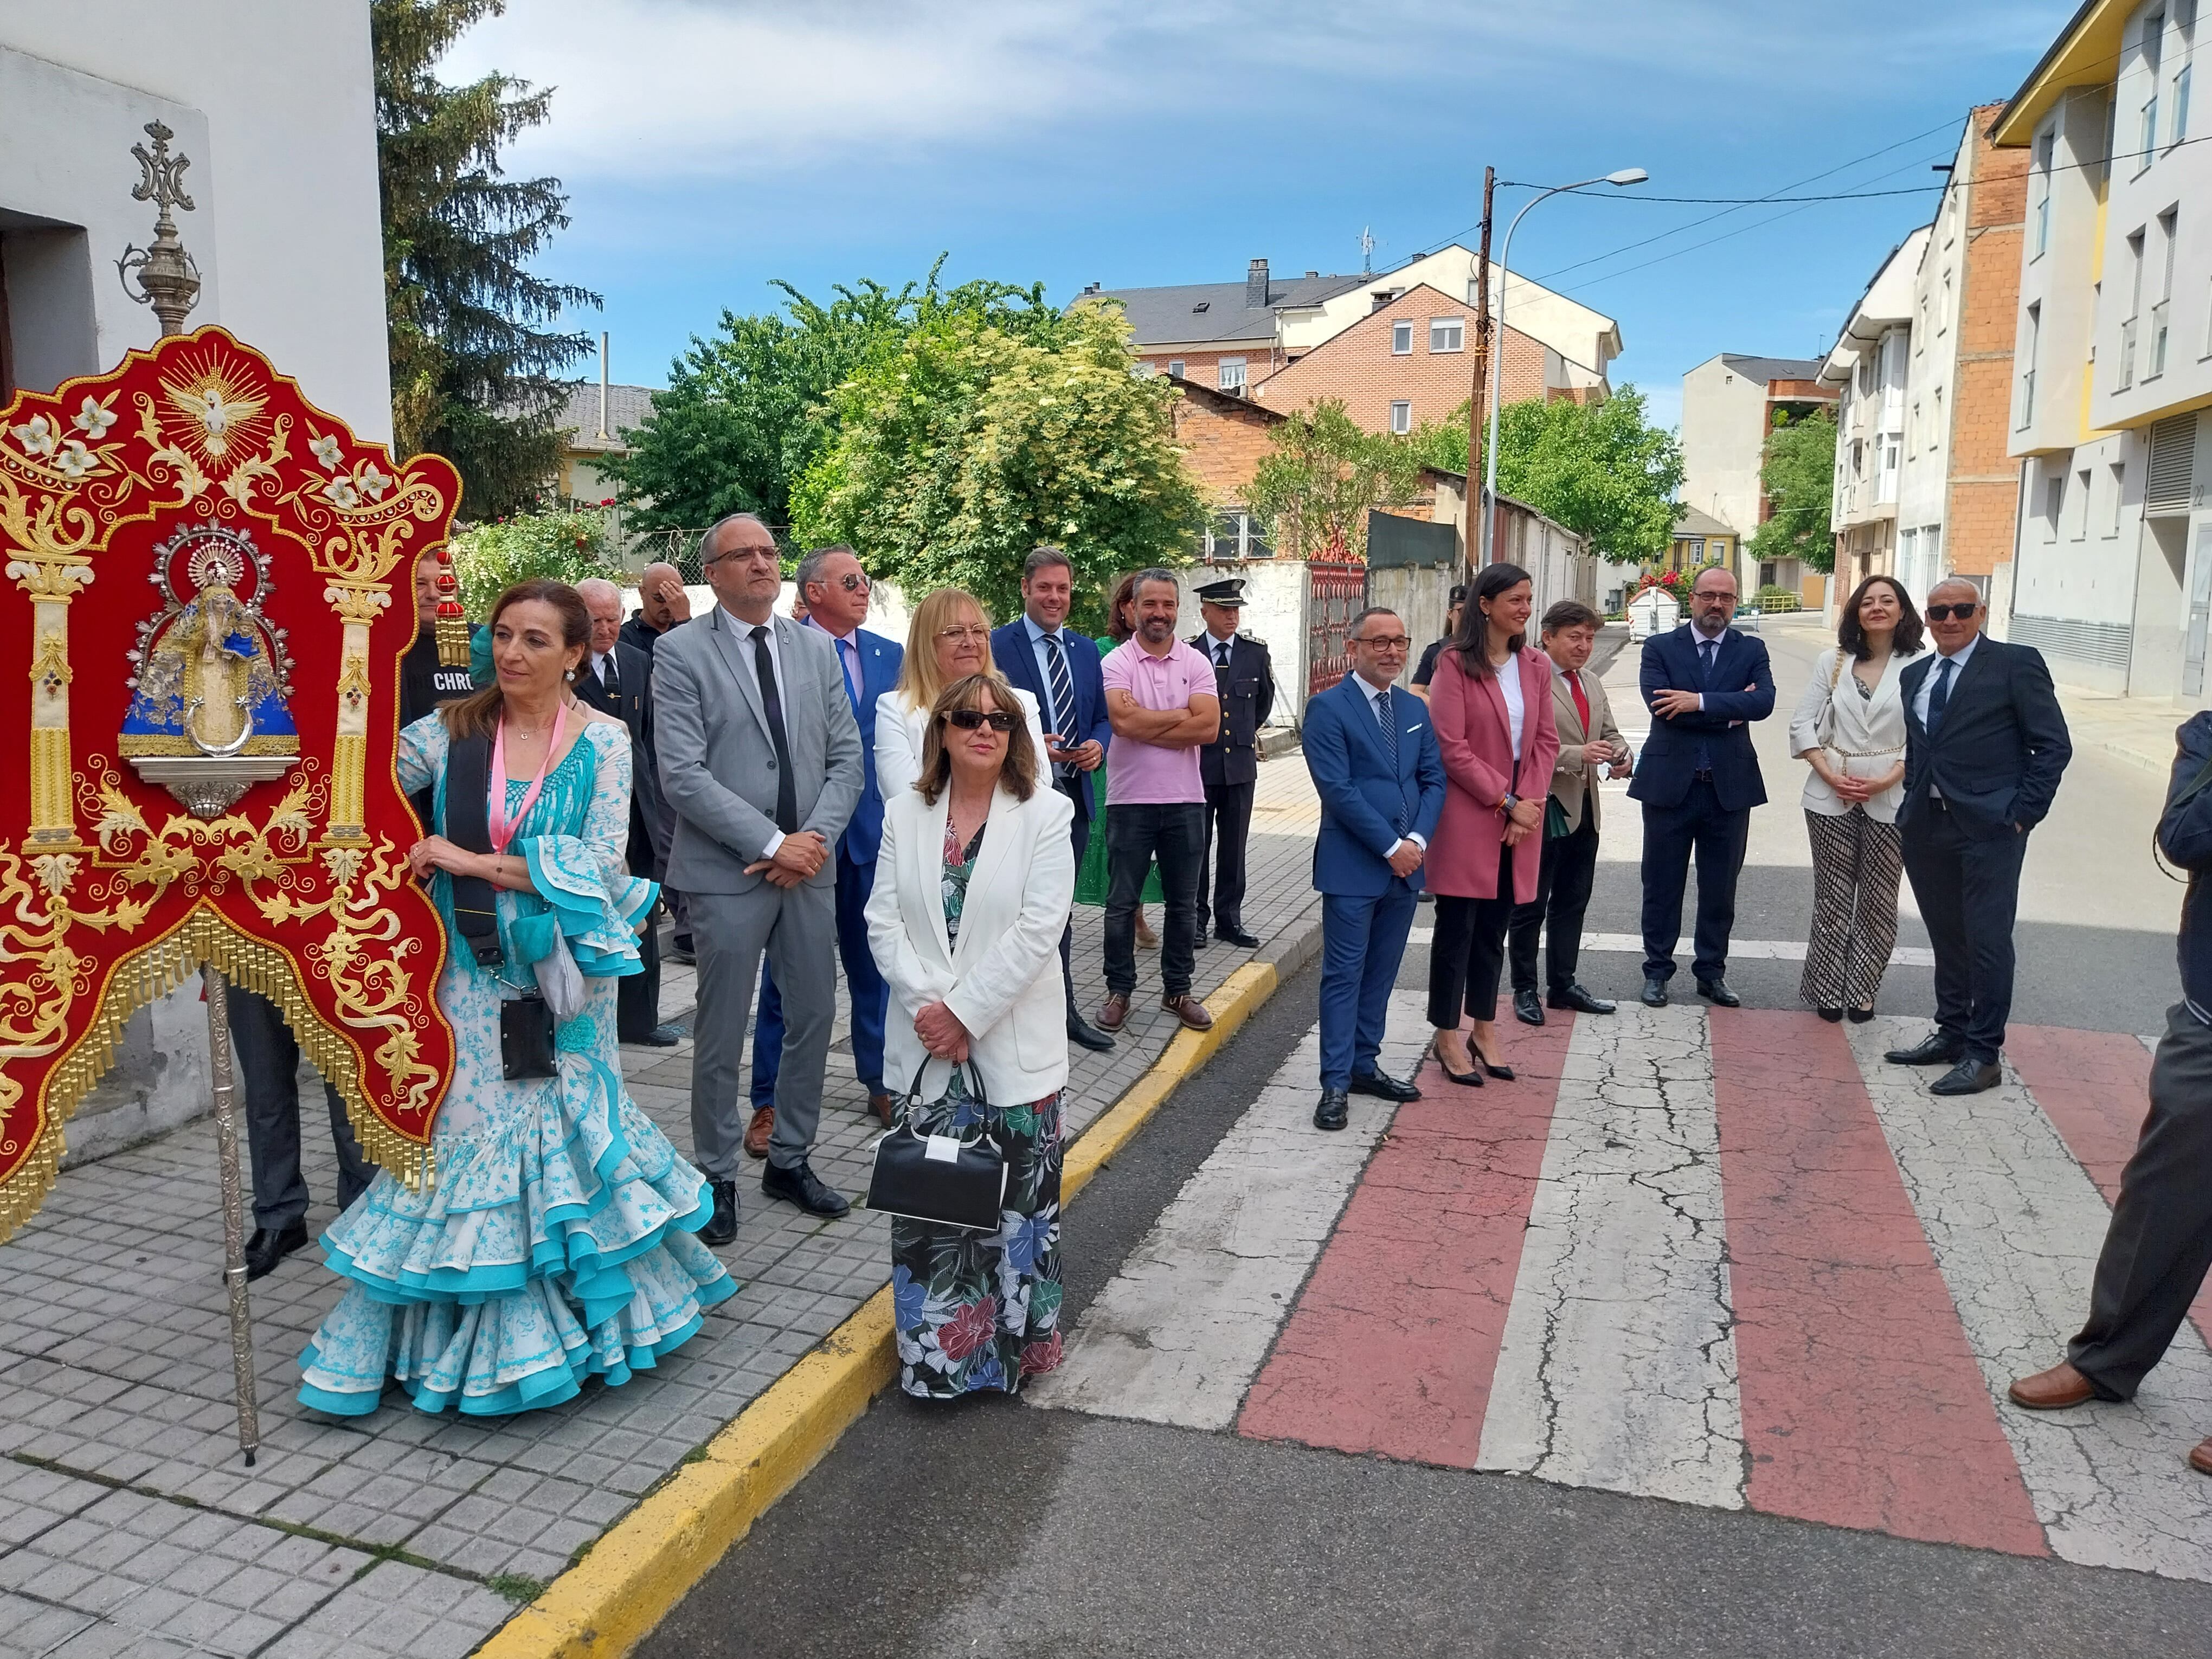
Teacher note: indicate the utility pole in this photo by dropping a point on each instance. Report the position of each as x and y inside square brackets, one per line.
[1480, 397]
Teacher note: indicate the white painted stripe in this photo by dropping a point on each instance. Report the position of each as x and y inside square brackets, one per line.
[1747, 949]
[2015, 1224]
[1183, 1328]
[1618, 1368]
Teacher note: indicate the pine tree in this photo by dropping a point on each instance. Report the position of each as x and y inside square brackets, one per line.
[474, 363]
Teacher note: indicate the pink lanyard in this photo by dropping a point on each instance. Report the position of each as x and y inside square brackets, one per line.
[501, 827]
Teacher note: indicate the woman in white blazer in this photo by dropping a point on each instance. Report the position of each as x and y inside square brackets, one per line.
[973, 884]
[948, 640]
[1850, 730]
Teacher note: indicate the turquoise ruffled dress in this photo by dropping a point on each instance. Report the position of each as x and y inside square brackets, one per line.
[556, 1243]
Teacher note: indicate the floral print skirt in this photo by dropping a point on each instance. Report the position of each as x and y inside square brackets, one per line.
[978, 1311]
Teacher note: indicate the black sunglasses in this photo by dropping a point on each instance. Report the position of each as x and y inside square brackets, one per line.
[968, 719]
[1944, 612]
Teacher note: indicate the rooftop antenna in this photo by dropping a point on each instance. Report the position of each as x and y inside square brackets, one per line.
[1367, 250]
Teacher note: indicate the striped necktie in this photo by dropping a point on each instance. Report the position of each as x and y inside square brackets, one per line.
[1062, 689]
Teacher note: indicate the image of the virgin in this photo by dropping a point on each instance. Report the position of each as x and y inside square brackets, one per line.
[207, 685]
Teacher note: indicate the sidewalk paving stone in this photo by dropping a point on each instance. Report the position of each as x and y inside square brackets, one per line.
[128, 1524]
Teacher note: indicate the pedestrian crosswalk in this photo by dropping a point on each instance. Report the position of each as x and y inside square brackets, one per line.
[1726, 1257]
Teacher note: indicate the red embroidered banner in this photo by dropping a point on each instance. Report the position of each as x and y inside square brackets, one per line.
[212, 583]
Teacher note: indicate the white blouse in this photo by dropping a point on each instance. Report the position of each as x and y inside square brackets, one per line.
[1509, 686]
[1864, 736]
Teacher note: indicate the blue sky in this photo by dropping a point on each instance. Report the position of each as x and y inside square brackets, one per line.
[712, 145]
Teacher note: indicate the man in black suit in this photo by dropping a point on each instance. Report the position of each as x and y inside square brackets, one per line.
[1229, 765]
[1985, 747]
[1699, 779]
[616, 678]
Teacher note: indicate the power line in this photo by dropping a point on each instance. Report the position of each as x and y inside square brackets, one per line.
[1762, 201]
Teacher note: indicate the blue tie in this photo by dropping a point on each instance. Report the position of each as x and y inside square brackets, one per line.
[1061, 692]
[1940, 697]
[1384, 713]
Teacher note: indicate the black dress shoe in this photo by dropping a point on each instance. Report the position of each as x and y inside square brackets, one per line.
[799, 1185]
[1861, 1016]
[1528, 1007]
[1084, 1035]
[1503, 1073]
[1383, 1087]
[1655, 993]
[1968, 1076]
[1237, 937]
[660, 1037]
[721, 1226]
[265, 1249]
[1334, 1109]
[1934, 1049]
[1833, 1016]
[1573, 995]
[1716, 991]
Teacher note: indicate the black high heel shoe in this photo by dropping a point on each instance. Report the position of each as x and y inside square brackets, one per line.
[1503, 1073]
[1833, 1016]
[1465, 1079]
[1861, 1016]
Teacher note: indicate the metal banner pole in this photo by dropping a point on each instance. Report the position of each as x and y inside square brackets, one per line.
[233, 1212]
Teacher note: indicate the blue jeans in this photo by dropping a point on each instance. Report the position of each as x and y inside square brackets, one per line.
[1363, 940]
[871, 996]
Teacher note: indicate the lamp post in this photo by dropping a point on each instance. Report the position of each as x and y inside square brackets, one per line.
[1487, 502]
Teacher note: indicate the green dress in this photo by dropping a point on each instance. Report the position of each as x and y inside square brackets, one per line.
[1093, 879]
[981, 1310]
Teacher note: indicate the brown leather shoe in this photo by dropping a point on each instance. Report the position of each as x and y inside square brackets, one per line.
[758, 1131]
[1113, 1012]
[2201, 1459]
[1190, 1011]
[2053, 1390]
[880, 1108]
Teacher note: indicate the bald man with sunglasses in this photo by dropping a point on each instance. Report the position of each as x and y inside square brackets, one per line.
[1985, 747]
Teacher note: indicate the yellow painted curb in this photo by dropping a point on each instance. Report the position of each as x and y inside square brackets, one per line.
[606, 1604]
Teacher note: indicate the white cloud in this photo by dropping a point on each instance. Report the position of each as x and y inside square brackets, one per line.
[668, 89]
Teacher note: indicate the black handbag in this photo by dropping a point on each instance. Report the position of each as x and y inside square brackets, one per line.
[939, 1178]
[525, 1039]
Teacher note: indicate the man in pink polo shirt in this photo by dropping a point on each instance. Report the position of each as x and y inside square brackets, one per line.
[1161, 700]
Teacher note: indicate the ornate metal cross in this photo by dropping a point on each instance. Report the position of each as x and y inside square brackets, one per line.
[168, 279]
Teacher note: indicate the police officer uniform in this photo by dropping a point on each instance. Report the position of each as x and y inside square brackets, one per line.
[1229, 765]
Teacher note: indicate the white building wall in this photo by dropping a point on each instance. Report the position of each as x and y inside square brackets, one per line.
[273, 104]
[1723, 443]
[1938, 295]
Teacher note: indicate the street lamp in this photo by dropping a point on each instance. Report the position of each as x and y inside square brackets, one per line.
[1488, 503]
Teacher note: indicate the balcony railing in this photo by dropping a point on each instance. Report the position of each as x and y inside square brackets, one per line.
[2026, 398]
[2157, 341]
[2127, 364]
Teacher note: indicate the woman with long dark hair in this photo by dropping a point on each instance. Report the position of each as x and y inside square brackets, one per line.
[1491, 704]
[556, 1244]
[1850, 729]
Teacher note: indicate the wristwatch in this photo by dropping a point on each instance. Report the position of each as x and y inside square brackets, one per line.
[1511, 801]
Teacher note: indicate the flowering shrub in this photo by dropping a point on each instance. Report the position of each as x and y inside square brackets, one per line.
[567, 546]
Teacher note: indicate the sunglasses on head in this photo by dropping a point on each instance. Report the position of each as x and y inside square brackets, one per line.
[969, 719]
[1944, 612]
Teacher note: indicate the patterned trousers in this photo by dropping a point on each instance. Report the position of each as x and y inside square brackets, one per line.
[1857, 863]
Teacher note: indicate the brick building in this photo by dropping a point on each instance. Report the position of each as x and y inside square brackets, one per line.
[1223, 437]
[1412, 361]
[1225, 336]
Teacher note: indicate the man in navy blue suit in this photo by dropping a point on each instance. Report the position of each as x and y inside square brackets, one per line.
[835, 591]
[1373, 755]
[1698, 780]
[1058, 667]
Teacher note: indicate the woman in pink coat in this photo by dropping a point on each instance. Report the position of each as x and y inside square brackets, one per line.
[1491, 704]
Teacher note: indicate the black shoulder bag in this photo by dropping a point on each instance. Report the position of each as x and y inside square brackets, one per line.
[526, 1023]
[939, 1178]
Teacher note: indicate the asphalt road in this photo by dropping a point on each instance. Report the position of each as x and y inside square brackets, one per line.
[989, 1526]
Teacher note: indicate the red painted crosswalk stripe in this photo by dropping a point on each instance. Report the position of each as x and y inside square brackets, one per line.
[1394, 1340]
[1862, 1405]
[2094, 1086]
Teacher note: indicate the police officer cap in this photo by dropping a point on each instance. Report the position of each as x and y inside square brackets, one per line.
[1229, 591]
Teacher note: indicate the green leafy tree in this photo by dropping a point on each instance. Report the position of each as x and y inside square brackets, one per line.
[475, 358]
[490, 558]
[1324, 476]
[748, 412]
[1798, 473]
[968, 444]
[1599, 469]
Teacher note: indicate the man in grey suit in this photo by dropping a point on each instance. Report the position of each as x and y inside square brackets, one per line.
[760, 758]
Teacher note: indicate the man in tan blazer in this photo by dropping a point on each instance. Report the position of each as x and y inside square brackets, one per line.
[1589, 739]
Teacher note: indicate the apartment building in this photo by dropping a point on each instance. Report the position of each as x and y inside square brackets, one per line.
[1867, 366]
[1730, 404]
[2112, 356]
[1956, 488]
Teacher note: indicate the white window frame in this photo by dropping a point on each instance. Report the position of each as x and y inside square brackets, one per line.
[2119, 471]
[1401, 337]
[2084, 482]
[1229, 375]
[2054, 503]
[2033, 317]
[1401, 416]
[2046, 147]
[1935, 427]
[1456, 329]
[1175, 367]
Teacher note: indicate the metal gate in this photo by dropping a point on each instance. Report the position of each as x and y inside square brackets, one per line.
[1334, 594]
